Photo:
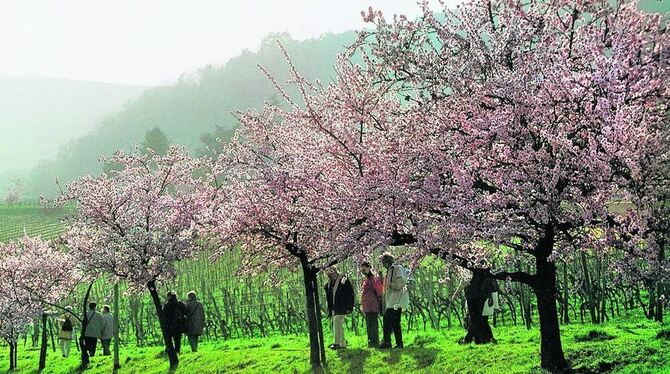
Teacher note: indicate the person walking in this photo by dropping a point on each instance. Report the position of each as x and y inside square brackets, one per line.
[174, 312]
[66, 331]
[195, 320]
[396, 299]
[340, 299]
[372, 289]
[107, 330]
[93, 329]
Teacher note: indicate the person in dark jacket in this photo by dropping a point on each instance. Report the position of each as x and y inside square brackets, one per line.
[195, 320]
[372, 290]
[174, 312]
[477, 293]
[340, 298]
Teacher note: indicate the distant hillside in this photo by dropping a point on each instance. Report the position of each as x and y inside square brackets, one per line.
[40, 115]
[190, 108]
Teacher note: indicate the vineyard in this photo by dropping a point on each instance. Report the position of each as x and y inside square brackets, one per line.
[252, 308]
[29, 219]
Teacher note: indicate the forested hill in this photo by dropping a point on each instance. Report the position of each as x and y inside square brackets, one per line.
[191, 107]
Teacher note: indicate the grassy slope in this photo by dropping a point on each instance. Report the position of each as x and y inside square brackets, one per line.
[634, 349]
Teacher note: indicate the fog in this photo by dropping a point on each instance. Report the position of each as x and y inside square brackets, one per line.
[152, 42]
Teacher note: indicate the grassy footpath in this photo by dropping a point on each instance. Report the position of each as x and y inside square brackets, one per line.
[626, 346]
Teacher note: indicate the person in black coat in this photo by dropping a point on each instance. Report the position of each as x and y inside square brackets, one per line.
[340, 298]
[477, 293]
[174, 312]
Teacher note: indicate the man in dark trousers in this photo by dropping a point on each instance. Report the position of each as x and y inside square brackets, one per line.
[396, 299]
[175, 319]
[195, 320]
[477, 293]
[93, 329]
[372, 290]
[340, 297]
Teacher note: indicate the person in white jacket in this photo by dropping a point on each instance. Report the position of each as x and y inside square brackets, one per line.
[396, 299]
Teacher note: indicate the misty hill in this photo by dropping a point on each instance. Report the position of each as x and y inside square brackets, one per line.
[190, 108]
[40, 115]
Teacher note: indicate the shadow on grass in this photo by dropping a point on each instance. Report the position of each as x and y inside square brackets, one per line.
[355, 358]
[424, 357]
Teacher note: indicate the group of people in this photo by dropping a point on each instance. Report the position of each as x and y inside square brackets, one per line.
[100, 326]
[389, 296]
[184, 318]
[180, 318]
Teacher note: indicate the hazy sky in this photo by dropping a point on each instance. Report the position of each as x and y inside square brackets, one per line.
[152, 42]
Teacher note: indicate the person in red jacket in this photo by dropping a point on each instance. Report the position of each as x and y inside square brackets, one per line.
[371, 301]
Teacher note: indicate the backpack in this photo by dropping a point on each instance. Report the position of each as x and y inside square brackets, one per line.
[67, 325]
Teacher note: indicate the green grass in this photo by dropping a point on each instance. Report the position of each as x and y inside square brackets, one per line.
[631, 346]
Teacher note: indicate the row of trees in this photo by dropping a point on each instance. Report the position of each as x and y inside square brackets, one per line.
[504, 132]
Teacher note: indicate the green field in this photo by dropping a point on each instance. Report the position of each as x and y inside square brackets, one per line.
[625, 346]
[29, 219]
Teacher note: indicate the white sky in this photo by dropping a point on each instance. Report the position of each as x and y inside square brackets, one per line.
[151, 42]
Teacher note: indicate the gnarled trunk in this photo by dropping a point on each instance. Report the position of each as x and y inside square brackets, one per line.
[317, 304]
[12, 355]
[551, 350]
[317, 355]
[169, 347]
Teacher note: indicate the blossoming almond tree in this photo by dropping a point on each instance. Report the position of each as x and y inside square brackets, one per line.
[533, 111]
[283, 189]
[272, 203]
[14, 318]
[135, 224]
[35, 276]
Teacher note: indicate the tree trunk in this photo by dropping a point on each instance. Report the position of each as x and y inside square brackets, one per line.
[12, 362]
[313, 322]
[117, 363]
[566, 288]
[660, 289]
[551, 350]
[16, 354]
[43, 348]
[319, 319]
[169, 348]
